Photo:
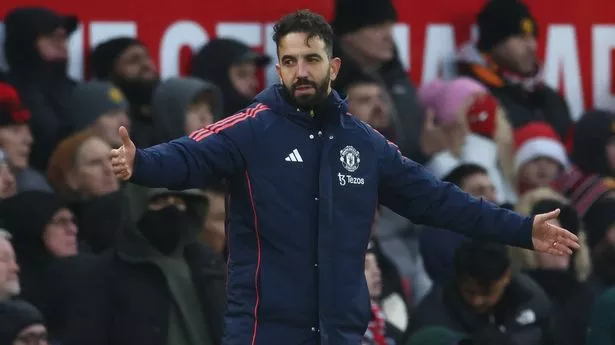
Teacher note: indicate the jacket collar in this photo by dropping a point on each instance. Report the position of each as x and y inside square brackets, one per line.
[330, 112]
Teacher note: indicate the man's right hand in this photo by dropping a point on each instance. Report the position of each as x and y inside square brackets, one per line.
[123, 158]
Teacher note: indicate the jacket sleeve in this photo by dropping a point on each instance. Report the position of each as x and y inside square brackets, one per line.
[411, 191]
[195, 161]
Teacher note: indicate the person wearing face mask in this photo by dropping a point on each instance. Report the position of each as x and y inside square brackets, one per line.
[171, 288]
[36, 49]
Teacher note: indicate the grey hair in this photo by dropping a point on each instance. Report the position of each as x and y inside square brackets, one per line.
[5, 235]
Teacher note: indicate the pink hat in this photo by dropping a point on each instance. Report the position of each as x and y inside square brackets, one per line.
[446, 97]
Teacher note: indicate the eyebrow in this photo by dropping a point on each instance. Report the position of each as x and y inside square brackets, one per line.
[309, 55]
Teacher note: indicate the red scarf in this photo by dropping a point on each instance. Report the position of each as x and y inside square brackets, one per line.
[376, 327]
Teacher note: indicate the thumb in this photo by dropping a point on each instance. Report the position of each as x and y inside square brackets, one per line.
[550, 216]
[125, 137]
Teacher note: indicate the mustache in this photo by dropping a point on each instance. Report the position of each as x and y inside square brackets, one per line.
[304, 82]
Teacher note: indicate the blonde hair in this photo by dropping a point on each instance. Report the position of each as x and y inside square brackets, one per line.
[523, 259]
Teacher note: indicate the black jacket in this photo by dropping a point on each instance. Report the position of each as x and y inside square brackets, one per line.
[522, 313]
[121, 301]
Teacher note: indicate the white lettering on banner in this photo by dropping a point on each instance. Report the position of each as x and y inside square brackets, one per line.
[76, 54]
[439, 52]
[178, 35]
[562, 60]
[603, 39]
[349, 179]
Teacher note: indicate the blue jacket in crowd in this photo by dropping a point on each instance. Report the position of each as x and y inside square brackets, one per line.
[303, 191]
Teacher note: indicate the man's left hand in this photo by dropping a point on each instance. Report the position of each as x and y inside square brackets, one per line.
[552, 239]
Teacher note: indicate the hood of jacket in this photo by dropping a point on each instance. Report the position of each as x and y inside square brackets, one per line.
[171, 101]
[592, 134]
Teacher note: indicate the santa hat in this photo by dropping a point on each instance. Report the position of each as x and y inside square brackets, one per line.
[538, 139]
[447, 97]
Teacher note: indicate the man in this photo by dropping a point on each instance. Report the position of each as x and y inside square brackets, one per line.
[305, 180]
[36, 49]
[21, 324]
[437, 246]
[233, 66]
[505, 60]
[485, 294]
[127, 63]
[9, 270]
[101, 107]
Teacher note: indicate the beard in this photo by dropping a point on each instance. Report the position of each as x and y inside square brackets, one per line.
[10, 289]
[308, 101]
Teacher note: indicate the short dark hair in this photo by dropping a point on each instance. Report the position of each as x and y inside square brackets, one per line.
[482, 261]
[308, 22]
[462, 172]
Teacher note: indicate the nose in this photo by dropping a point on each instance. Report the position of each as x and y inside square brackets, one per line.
[14, 266]
[71, 229]
[302, 70]
[532, 44]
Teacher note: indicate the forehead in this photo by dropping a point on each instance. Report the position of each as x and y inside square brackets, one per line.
[476, 178]
[296, 44]
[364, 88]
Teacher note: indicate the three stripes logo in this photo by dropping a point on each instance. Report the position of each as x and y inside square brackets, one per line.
[221, 125]
[294, 157]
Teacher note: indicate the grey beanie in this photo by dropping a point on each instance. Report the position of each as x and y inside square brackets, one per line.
[91, 100]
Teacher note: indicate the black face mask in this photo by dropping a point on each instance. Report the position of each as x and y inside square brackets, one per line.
[164, 228]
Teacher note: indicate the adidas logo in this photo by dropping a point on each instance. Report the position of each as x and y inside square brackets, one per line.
[294, 157]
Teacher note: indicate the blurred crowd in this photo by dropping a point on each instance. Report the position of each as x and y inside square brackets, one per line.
[86, 259]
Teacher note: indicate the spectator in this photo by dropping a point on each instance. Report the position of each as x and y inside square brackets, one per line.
[486, 294]
[438, 246]
[562, 278]
[36, 49]
[540, 157]
[158, 286]
[21, 324]
[127, 63]
[383, 328]
[367, 101]
[475, 130]
[8, 184]
[214, 230]
[600, 225]
[602, 322]
[505, 60]
[365, 43]
[9, 270]
[184, 105]
[101, 107]
[590, 180]
[43, 231]
[16, 140]
[232, 66]
[80, 168]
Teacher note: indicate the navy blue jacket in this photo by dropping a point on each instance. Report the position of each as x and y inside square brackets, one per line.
[303, 192]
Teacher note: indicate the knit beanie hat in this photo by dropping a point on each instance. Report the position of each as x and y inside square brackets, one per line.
[105, 54]
[538, 139]
[353, 15]
[91, 100]
[435, 335]
[598, 220]
[591, 136]
[15, 316]
[447, 97]
[12, 111]
[501, 19]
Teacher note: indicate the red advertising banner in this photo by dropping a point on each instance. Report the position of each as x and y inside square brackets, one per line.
[577, 37]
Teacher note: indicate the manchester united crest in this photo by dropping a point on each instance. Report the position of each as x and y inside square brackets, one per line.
[350, 158]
